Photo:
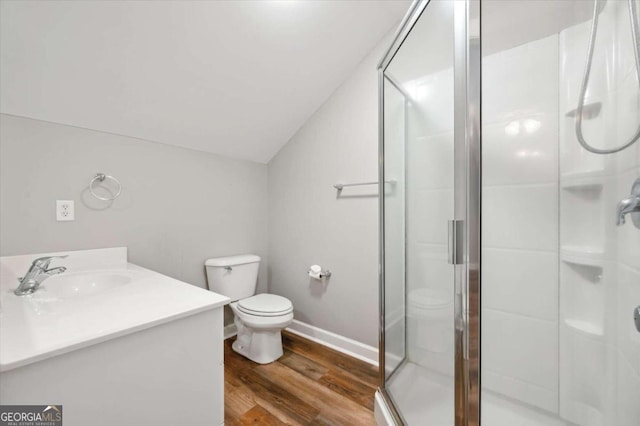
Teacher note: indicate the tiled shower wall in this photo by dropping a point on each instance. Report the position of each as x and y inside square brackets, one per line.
[520, 223]
[600, 262]
[560, 279]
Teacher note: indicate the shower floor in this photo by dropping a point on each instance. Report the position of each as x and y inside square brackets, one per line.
[425, 397]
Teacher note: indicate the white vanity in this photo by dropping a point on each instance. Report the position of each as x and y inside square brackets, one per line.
[113, 343]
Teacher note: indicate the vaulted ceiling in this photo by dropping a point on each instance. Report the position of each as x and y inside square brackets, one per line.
[236, 78]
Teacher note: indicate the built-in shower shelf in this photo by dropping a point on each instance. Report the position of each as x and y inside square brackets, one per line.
[582, 255]
[582, 181]
[591, 179]
[585, 327]
[582, 174]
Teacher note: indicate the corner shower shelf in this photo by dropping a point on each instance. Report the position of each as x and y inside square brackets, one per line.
[582, 255]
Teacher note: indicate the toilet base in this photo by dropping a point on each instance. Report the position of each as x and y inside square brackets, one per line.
[259, 338]
[261, 346]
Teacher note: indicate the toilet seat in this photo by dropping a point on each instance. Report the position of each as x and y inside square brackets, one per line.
[265, 305]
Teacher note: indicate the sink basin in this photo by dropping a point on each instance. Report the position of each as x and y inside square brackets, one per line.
[65, 286]
[97, 299]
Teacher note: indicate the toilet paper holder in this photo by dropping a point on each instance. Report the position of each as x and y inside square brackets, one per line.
[325, 273]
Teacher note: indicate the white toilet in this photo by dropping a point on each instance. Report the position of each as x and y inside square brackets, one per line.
[430, 327]
[259, 318]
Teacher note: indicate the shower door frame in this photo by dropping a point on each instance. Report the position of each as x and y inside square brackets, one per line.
[467, 195]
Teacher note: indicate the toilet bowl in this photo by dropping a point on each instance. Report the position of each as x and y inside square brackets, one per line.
[259, 318]
[432, 315]
[430, 328]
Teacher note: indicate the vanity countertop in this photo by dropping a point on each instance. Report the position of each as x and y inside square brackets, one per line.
[100, 297]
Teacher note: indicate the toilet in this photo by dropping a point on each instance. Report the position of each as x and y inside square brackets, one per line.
[259, 318]
[431, 329]
[432, 312]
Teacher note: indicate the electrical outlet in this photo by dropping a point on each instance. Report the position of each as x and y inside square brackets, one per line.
[65, 210]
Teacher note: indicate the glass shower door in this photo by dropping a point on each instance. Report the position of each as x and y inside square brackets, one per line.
[395, 110]
[419, 199]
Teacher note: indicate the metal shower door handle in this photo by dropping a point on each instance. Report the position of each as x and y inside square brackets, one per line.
[636, 317]
[455, 242]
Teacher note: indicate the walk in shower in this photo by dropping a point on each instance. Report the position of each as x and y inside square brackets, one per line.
[510, 243]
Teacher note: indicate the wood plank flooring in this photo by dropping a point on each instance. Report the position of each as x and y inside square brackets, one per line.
[310, 385]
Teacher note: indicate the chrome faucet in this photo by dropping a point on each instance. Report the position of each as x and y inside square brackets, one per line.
[38, 272]
[630, 206]
[626, 206]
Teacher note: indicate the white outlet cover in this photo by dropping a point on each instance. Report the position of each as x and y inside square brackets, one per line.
[65, 210]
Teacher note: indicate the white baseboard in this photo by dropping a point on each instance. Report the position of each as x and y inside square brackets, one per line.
[342, 344]
[230, 331]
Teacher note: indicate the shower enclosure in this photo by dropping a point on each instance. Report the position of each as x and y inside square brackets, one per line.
[510, 241]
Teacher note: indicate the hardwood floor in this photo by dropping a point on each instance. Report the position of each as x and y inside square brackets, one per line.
[310, 385]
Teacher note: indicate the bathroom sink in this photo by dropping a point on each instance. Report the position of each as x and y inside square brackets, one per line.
[65, 286]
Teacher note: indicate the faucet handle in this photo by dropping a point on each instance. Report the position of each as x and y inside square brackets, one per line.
[44, 261]
[630, 206]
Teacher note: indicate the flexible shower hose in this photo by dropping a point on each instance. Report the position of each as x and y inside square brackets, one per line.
[635, 35]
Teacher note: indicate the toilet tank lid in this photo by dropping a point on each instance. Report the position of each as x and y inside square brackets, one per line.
[240, 259]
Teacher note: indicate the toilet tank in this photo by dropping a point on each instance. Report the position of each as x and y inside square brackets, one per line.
[233, 276]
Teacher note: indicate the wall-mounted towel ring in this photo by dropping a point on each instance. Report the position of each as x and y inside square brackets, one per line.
[100, 177]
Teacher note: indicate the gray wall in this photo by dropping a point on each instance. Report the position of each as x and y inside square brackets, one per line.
[178, 207]
[309, 224]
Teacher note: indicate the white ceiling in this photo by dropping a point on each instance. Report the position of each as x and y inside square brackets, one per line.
[236, 78]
